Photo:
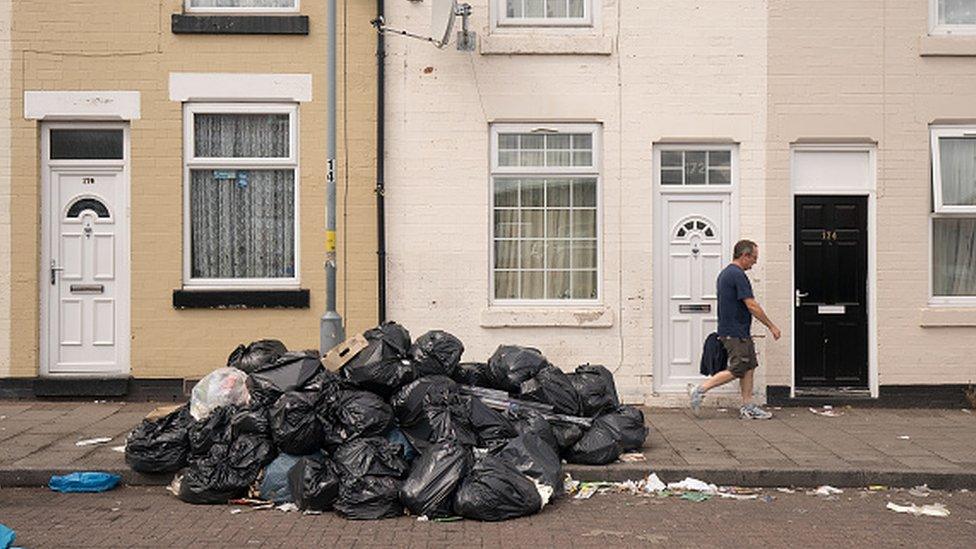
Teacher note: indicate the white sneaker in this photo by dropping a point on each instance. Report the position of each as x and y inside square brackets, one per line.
[697, 396]
[752, 411]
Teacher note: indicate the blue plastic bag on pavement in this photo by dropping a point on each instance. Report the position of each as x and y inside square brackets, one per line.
[84, 482]
[7, 537]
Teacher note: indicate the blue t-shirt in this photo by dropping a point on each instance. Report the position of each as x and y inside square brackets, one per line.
[734, 319]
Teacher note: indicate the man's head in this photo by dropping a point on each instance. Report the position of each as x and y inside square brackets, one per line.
[745, 254]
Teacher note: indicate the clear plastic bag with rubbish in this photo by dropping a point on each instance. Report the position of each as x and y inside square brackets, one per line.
[221, 387]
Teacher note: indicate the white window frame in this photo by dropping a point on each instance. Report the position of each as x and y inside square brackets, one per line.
[942, 211]
[191, 161]
[594, 171]
[241, 10]
[947, 29]
[501, 19]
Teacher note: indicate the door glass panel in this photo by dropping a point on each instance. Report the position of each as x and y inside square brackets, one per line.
[80, 144]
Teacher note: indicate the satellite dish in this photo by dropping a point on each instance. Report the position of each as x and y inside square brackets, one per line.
[442, 15]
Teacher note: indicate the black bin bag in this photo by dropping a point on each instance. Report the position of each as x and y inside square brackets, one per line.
[596, 388]
[434, 478]
[256, 354]
[437, 353]
[536, 459]
[355, 414]
[552, 386]
[226, 471]
[472, 373]
[511, 366]
[384, 365]
[495, 491]
[292, 371]
[369, 498]
[611, 435]
[492, 428]
[531, 423]
[160, 446]
[314, 483]
[295, 425]
[567, 434]
[409, 402]
[371, 456]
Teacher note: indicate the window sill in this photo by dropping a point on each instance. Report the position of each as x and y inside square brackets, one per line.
[947, 46]
[240, 24]
[575, 317]
[241, 299]
[947, 317]
[539, 43]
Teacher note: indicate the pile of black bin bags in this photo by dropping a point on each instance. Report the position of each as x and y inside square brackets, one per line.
[392, 430]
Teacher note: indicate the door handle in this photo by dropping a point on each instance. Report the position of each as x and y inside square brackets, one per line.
[54, 272]
[800, 295]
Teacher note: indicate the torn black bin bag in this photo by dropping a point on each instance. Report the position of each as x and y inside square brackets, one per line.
[596, 388]
[369, 498]
[511, 366]
[227, 470]
[409, 402]
[472, 373]
[434, 478]
[256, 354]
[374, 456]
[491, 427]
[437, 353]
[495, 491]
[160, 446]
[611, 435]
[295, 426]
[535, 459]
[293, 371]
[314, 483]
[355, 414]
[552, 386]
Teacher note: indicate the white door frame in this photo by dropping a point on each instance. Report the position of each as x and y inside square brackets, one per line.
[123, 339]
[659, 245]
[868, 189]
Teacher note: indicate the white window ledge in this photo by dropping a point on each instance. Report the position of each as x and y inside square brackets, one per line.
[947, 46]
[81, 105]
[947, 317]
[192, 86]
[538, 43]
[525, 317]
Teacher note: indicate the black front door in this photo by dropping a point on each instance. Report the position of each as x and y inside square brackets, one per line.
[830, 282]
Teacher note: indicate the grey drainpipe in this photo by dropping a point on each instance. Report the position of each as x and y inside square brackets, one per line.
[380, 164]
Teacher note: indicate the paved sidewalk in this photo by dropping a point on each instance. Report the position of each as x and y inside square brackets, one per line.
[797, 447]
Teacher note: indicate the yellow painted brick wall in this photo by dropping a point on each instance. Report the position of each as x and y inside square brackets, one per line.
[110, 45]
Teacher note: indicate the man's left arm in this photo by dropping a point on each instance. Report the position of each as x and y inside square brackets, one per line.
[757, 311]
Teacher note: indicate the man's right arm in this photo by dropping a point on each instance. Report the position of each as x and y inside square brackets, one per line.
[757, 311]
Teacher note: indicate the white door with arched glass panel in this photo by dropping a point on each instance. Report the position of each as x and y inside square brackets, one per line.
[693, 241]
[84, 273]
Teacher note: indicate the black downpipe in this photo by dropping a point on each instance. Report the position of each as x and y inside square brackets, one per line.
[381, 164]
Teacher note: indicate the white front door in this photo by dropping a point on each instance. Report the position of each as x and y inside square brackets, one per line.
[84, 272]
[694, 232]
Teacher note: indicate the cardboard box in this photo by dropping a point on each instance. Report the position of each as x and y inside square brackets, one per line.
[162, 412]
[343, 352]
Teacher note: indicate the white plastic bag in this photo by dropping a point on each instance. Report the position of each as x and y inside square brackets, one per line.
[221, 387]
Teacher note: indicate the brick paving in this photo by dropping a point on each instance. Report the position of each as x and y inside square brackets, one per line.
[151, 517]
[797, 447]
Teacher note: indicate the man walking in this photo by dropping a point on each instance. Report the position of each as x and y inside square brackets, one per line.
[736, 307]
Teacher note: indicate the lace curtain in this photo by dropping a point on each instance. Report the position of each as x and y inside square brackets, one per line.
[954, 238]
[242, 220]
[242, 3]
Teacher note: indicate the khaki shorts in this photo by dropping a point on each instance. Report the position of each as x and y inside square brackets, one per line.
[742, 355]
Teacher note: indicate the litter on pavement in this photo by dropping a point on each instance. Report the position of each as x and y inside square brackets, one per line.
[827, 411]
[922, 491]
[382, 425]
[930, 510]
[93, 441]
[7, 537]
[826, 490]
[84, 482]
